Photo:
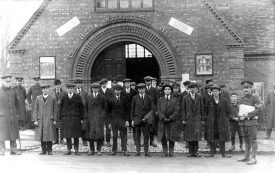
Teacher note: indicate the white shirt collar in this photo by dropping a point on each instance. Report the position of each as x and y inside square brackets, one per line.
[45, 96]
[127, 90]
[70, 95]
[167, 96]
[104, 89]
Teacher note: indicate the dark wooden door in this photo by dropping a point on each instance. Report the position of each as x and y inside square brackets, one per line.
[110, 63]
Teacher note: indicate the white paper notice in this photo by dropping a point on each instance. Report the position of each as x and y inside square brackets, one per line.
[181, 26]
[67, 26]
[245, 109]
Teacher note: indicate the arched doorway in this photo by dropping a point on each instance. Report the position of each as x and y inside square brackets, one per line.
[125, 60]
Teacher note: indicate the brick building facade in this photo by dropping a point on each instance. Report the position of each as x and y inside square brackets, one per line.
[239, 36]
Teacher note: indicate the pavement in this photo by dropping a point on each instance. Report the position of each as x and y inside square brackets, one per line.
[29, 144]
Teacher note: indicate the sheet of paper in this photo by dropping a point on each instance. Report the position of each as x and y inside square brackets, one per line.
[245, 109]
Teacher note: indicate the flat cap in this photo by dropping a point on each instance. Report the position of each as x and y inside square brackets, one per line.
[103, 81]
[176, 85]
[246, 83]
[19, 78]
[208, 81]
[127, 80]
[208, 86]
[186, 83]
[36, 78]
[70, 85]
[141, 85]
[6, 77]
[95, 85]
[155, 79]
[133, 84]
[117, 87]
[166, 85]
[45, 86]
[215, 86]
[147, 78]
[193, 85]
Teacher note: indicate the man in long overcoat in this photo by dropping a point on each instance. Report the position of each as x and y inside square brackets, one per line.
[33, 92]
[83, 94]
[95, 115]
[119, 120]
[108, 94]
[270, 106]
[153, 93]
[193, 118]
[45, 118]
[71, 113]
[22, 96]
[249, 124]
[218, 130]
[9, 127]
[168, 112]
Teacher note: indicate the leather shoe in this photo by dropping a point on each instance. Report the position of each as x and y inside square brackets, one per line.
[252, 162]
[50, 153]
[15, 153]
[68, 152]
[232, 148]
[91, 153]
[42, 153]
[138, 154]
[226, 156]
[190, 155]
[164, 154]
[77, 153]
[171, 154]
[112, 154]
[125, 153]
[147, 155]
[85, 143]
[99, 153]
[243, 160]
[153, 144]
[197, 155]
[209, 155]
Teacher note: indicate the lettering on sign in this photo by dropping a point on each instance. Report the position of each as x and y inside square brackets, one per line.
[181, 26]
[62, 30]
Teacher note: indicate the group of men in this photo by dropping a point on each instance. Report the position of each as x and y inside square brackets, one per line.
[153, 110]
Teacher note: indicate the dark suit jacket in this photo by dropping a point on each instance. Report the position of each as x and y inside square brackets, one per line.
[141, 108]
[153, 93]
[108, 95]
[118, 111]
[129, 98]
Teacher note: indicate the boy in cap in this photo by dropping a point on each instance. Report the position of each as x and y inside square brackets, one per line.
[185, 84]
[9, 127]
[141, 113]
[22, 96]
[45, 118]
[107, 93]
[83, 94]
[168, 112]
[154, 82]
[249, 123]
[192, 118]
[95, 115]
[119, 120]
[133, 85]
[33, 92]
[71, 113]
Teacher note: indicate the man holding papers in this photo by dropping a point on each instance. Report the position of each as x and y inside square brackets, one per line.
[248, 122]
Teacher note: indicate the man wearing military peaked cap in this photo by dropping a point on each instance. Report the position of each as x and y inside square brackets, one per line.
[247, 83]
[127, 80]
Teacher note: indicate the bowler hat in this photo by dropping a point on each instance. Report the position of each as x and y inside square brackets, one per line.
[141, 85]
[186, 83]
[166, 85]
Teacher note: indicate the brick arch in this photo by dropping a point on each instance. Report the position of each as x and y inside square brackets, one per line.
[140, 33]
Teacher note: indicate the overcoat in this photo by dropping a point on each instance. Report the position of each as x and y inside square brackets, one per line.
[129, 97]
[9, 127]
[118, 113]
[45, 113]
[192, 114]
[270, 106]
[22, 96]
[71, 113]
[168, 109]
[225, 113]
[95, 115]
[153, 93]
[33, 92]
[141, 109]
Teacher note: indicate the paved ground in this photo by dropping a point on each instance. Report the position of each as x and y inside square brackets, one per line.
[28, 143]
[32, 162]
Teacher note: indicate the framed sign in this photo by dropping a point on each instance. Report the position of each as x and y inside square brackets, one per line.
[47, 67]
[204, 64]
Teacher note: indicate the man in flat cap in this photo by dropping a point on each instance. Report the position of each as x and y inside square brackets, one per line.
[153, 93]
[218, 130]
[185, 84]
[45, 119]
[108, 94]
[192, 117]
[95, 115]
[270, 107]
[58, 93]
[34, 91]
[168, 112]
[249, 123]
[133, 85]
[129, 93]
[71, 113]
[83, 94]
[119, 120]
[9, 127]
[22, 96]
[154, 82]
[141, 116]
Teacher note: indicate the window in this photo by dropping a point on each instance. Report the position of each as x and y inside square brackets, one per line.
[124, 5]
[136, 51]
